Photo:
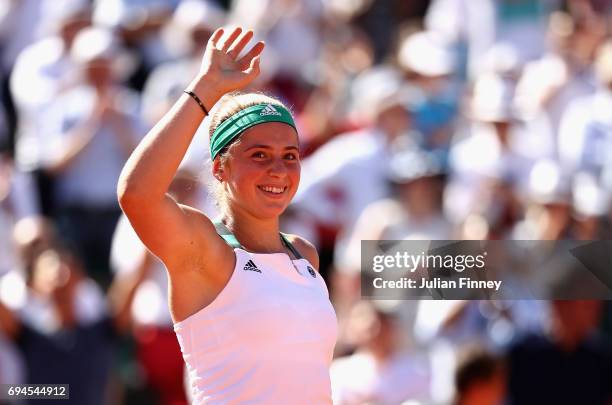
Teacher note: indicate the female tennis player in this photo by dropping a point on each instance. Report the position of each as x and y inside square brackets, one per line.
[251, 313]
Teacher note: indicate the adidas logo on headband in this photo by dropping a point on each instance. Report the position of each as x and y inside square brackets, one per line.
[269, 110]
[232, 127]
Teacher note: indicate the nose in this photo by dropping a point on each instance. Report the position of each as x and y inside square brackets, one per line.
[277, 169]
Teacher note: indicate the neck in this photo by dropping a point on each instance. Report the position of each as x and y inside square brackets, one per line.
[255, 234]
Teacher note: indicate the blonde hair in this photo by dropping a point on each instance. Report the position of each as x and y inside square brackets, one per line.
[227, 106]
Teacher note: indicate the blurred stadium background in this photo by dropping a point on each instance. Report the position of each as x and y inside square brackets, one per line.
[441, 119]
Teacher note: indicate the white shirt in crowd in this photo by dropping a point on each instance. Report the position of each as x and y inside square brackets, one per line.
[546, 76]
[360, 379]
[118, 14]
[150, 306]
[386, 219]
[342, 178]
[483, 23]
[585, 136]
[20, 201]
[286, 26]
[40, 72]
[480, 156]
[91, 179]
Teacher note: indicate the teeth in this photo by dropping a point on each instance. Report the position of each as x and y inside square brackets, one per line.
[270, 189]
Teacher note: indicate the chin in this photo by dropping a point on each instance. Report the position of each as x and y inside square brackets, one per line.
[269, 211]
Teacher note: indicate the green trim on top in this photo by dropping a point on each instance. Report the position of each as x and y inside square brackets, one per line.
[231, 240]
[290, 246]
[227, 235]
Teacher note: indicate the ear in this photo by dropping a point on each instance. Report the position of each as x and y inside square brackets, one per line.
[217, 170]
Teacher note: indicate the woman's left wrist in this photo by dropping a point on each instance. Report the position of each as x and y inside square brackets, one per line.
[206, 91]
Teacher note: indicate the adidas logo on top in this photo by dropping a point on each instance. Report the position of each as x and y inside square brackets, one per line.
[250, 266]
[269, 110]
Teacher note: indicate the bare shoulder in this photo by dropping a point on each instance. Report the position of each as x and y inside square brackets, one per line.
[306, 249]
[203, 245]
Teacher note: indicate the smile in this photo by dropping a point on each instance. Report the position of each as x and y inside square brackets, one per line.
[276, 190]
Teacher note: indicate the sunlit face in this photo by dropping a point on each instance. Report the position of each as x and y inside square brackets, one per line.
[262, 172]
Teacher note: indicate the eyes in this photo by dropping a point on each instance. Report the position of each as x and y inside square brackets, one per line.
[262, 155]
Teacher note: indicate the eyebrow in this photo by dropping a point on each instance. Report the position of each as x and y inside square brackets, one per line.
[291, 147]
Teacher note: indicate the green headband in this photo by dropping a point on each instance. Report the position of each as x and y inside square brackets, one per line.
[231, 128]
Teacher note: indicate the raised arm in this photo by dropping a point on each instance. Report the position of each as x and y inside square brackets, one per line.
[170, 230]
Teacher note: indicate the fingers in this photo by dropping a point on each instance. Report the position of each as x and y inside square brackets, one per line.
[247, 59]
[253, 67]
[229, 40]
[239, 45]
[216, 36]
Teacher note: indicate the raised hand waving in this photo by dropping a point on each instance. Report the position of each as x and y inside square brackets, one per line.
[222, 64]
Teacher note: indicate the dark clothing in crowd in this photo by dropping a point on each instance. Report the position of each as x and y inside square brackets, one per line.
[90, 231]
[79, 356]
[540, 372]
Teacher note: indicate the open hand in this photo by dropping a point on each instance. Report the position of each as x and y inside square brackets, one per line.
[221, 64]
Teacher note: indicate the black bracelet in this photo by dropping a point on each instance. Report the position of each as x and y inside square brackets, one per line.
[197, 99]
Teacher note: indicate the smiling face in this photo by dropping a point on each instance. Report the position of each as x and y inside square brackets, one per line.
[262, 171]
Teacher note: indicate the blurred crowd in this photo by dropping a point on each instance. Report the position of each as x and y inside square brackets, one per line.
[421, 119]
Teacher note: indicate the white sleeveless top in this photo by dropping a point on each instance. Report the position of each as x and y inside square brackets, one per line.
[267, 338]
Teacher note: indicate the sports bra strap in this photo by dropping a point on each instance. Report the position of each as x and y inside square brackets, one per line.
[231, 240]
[290, 246]
[227, 235]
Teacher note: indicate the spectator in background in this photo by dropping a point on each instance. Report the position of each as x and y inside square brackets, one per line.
[490, 163]
[585, 142]
[90, 131]
[570, 365]
[480, 379]
[428, 64]
[30, 236]
[138, 24]
[547, 204]
[191, 25]
[18, 29]
[592, 7]
[18, 200]
[21, 23]
[60, 326]
[549, 84]
[42, 72]
[480, 24]
[378, 372]
[348, 173]
[287, 25]
[585, 137]
[379, 20]
[412, 212]
[12, 368]
[57, 317]
[347, 52]
[591, 203]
